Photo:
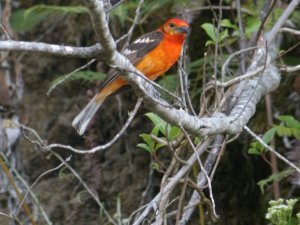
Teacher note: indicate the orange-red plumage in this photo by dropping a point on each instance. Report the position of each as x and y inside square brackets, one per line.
[152, 54]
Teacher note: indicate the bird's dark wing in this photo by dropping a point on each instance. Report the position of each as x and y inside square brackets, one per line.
[135, 52]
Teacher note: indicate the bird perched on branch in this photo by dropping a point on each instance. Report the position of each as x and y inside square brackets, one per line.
[152, 54]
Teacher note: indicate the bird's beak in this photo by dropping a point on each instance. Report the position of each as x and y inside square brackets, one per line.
[183, 29]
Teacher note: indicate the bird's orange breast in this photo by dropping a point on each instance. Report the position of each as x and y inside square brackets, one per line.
[160, 59]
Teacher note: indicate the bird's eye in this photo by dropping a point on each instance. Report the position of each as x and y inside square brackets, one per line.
[172, 25]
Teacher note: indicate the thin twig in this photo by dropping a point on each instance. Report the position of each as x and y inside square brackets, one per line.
[256, 137]
[16, 189]
[182, 78]
[244, 10]
[217, 33]
[264, 18]
[34, 197]
[43, 146]
[134, 23]
[204, 171]
[274, 166]
[94, 196]
[226, 63]
[290, 31]
[245, 76]
[68, 76]
[173, 181]
[282, 19]
[181, 200]
[37, 180]
[242, 35]
[11, 217]
[115, 6]
[5, 32]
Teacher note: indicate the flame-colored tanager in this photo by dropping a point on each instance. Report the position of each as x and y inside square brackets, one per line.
[152, 54]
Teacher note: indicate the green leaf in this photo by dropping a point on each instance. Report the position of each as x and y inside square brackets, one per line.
[296, 133]
[174, 132]
[223, 35]
[274, 177]
[155, 130]
[290, 121]
[155, 166]
[144, 146]
[252, 25]
[227, 23]
[157, 121]
[148, 140]
[256, 148]
[254, 151]
[284, 131]
[197, 140]
[209, 42]
[210, 31]
[159, 145]
[269, 135]
[25, 20]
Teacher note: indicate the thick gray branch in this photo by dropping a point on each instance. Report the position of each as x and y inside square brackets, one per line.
[220, 123]
[82, 52]
[101, 28]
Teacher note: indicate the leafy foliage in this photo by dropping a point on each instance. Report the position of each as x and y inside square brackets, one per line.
[26, 19]
[274, 177]
[289, 127]
[161, 127]
[211, 31]
[256, 148]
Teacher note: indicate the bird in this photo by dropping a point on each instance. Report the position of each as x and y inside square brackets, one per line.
[152, 54]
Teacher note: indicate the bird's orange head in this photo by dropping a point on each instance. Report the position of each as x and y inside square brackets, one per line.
[175, 27]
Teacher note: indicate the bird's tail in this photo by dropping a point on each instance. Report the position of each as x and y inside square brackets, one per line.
[82, 120]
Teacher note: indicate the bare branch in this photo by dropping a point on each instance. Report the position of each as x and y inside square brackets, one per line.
[135, 22]
[203, 171]
[39, 47]
[37, 180]
[289, 30]
[173, 181]
[101, 28]
[94, 196]
[226, 63]
[211, 7]
[68, 76]
[38, 140]
[242, 35]
[202, 179]
[282, 19]
[290, 69]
